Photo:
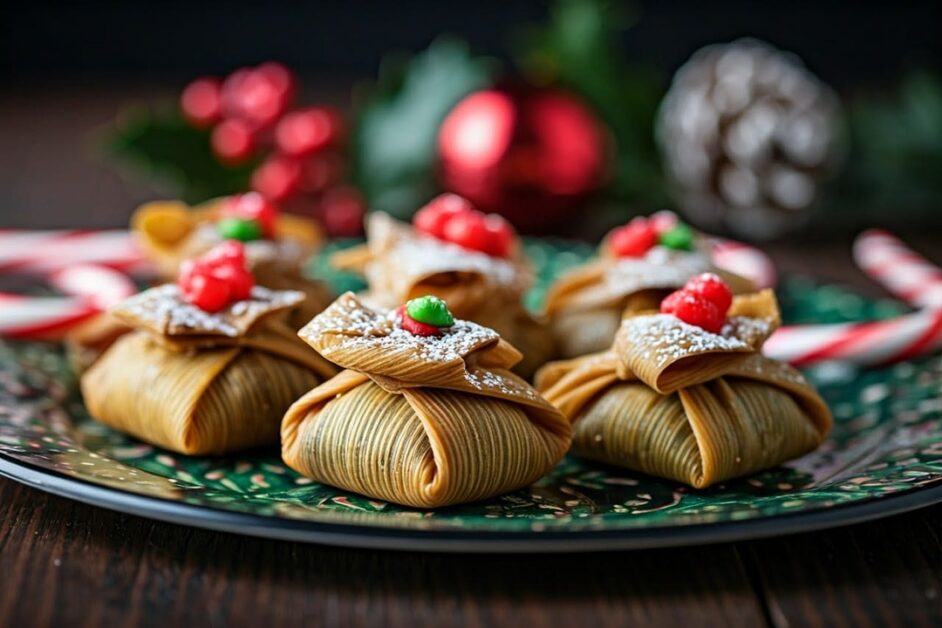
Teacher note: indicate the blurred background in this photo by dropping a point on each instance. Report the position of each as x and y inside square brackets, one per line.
[74, 151]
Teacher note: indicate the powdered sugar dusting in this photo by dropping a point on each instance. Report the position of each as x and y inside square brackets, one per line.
[494, 382]
[163, 310]
[661, 267]
[665, 338]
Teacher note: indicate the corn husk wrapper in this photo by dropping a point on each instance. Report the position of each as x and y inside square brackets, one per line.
[585, 305]
[197, 383]
[675, 401]
[424, 422]
[400, 264]
[171, 232]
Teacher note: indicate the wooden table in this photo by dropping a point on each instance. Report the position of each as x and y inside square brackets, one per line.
[67, 564]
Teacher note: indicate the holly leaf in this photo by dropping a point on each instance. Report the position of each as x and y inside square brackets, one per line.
[397, 122]
[159, 144]
[580, 49]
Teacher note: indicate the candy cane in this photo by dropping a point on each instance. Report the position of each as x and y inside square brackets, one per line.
[42, 252]
[89, 289]
[865, 344]
[744, 260]
[899, 269]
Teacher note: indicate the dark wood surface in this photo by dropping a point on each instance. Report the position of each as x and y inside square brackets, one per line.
[67, 564]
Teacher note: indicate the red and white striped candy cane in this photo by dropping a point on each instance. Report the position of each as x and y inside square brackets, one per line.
[89, 290]
[865, 344]
[42, 252]
[744, 260]
[899, 269]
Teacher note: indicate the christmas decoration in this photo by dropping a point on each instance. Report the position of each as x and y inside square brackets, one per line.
[430, 310]
[899, 269]
[748, 134]
[529, 154]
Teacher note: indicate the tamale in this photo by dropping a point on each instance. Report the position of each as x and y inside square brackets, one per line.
[420, 421]
[676, 401]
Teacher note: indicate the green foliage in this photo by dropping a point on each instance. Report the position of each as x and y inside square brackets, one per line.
[579, 48]
[397, 123]
[161, 145]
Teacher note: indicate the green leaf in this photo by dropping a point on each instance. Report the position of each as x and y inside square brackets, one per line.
[159, 144]
[579, 48]
[394, 139]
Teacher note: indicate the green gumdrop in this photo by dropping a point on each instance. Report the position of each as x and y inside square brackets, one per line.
[430, 310]
[678, 237]
[244, 230]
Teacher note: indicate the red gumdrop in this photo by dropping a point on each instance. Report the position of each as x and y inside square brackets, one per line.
[468, 231]
[201, 102]
[695, 310]
[634, 239]
[432, 218]
[205, 291]
[413, 326]
[500, 235]
[277, 179]
[713, 289]
[253, 206]
[232, 141]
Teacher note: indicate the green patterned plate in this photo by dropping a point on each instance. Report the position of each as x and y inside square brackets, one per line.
[885, 456]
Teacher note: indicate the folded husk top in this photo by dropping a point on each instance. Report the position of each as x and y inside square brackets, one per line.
[675, 401]
[171, 231]
[421, 421]
[200, 383]
[585, 305]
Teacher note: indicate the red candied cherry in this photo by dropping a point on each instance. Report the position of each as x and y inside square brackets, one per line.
[237, 277]
[432, 218]
[302, 133]
[278, 178]
[468, 230]
[342, 210]
[228, 252]
[695, 310]
[500, 236]
[634, 239]
[232, 141]
[713, 289]
[201, 102]
[253, 206]
[202, 289]
[413, 326]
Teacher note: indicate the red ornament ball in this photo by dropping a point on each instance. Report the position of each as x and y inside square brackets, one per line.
[529, 154]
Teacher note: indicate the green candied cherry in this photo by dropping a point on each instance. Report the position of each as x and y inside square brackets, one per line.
[241, 229]
[679, 237]
[430, 310]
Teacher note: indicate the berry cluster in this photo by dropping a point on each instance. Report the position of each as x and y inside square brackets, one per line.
[301, 150]
[642, 234]
[425, 316]
[217, 278]
[703, 301]
[453, 219]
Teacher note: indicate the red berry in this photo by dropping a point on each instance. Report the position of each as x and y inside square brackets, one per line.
[695, 310]
[253, 206]
[232, 141]
[278, 178]
[230, 252]
[308, 131]
[280, 77]
[320, 171]
[468, 230]
[432, 218]
[342, 210]
[413, 326]
[256, 95]
[634, 239]
[500, 235]
[207, 292]
[201, 102]
[711, 288]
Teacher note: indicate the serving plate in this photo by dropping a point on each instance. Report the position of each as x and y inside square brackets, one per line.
[884, 457]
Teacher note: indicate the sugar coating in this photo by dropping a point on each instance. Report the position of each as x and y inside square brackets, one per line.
[660, 267]
[487, 380]
[163, 309]
[666, 339]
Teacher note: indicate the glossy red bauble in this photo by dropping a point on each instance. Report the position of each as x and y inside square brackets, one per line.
[528, 154]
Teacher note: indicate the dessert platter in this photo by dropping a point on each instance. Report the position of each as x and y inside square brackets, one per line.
[446, 385]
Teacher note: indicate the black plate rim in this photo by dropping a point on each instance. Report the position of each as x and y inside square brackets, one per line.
[460, 541]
